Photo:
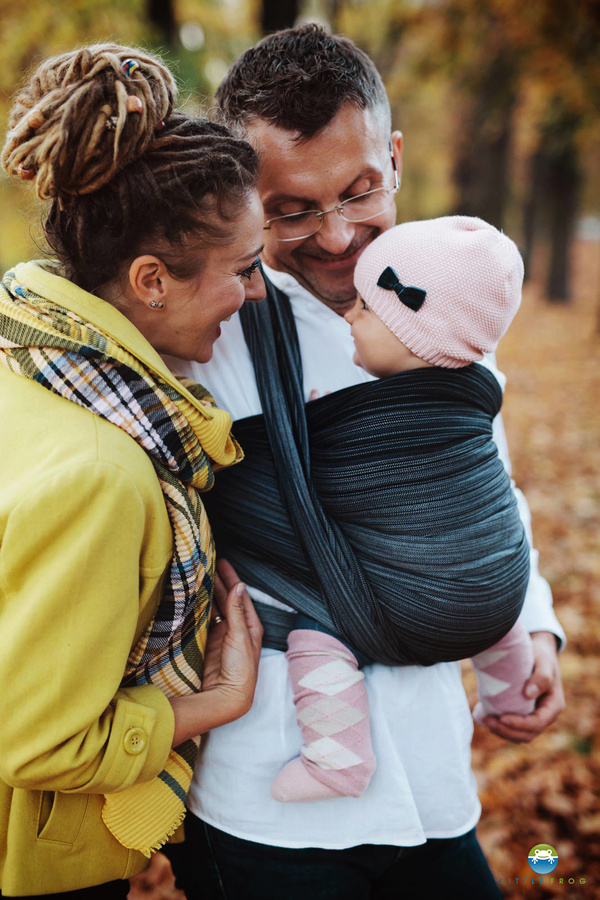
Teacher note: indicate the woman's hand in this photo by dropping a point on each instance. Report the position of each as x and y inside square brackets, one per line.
[234, 643]
[230, 662]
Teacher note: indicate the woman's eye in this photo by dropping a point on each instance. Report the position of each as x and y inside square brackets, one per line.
[247, 273]
[364, 305]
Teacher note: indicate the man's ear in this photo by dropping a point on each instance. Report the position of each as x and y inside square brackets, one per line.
[397, 143]
[148, 276]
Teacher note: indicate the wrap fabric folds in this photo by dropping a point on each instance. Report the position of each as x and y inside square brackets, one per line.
[382, 510]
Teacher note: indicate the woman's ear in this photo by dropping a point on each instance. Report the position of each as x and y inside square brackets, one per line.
[148, 276]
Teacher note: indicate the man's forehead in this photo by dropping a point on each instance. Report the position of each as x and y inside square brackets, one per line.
[353, 144]
[350, 123]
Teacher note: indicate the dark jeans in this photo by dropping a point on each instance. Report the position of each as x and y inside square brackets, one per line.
[114, 890]
[212, 865]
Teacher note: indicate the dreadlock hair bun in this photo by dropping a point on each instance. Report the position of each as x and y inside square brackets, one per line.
[72, 128]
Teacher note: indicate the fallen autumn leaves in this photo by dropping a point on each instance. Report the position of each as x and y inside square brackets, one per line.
[548, 791]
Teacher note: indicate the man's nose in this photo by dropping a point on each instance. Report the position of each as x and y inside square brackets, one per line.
[255, 289]
[335, 234]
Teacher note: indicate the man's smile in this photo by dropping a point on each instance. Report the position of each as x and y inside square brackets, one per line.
[332, 263]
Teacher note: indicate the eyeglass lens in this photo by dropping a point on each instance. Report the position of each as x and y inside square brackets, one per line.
[355, 209]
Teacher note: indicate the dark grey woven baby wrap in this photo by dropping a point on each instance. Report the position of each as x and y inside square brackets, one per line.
[382, 510]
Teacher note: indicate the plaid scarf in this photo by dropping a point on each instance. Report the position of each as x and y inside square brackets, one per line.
[184, 434]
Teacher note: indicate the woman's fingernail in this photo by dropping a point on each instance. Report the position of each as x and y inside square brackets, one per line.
[532, 691]
[240, 588]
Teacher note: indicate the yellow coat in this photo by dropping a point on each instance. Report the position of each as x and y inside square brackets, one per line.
[85, 541]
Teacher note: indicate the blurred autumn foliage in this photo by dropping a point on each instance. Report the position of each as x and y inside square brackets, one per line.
[500, 104]
[499, 100]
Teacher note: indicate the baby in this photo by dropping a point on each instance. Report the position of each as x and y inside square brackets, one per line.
[433, 293]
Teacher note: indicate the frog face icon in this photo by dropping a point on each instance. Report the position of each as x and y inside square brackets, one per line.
[542, 858]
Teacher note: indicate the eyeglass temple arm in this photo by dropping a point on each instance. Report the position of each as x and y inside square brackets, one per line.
[395, 167]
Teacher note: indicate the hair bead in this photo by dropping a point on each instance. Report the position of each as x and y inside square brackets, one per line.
[134, 104]
[35, 119]
[129, 67]
[25, 173]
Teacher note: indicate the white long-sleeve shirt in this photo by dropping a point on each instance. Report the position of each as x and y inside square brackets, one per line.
[421, 725]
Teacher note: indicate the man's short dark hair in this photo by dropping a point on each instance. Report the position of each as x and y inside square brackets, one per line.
[298, 79]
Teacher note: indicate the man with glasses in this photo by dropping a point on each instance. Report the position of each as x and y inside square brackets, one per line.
[316, 109]
[298, 226]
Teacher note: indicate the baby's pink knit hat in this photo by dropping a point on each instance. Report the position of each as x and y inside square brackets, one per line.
[470, 272]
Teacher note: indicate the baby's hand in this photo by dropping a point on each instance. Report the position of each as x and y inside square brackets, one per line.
[314, 394]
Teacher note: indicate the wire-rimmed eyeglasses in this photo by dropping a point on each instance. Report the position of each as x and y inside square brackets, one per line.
[300, 225]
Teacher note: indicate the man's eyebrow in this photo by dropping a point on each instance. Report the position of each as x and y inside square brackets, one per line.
[252, 255]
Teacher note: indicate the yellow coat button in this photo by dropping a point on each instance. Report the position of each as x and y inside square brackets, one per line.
[135, 741]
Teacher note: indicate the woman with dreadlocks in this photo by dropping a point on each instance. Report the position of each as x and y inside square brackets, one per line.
[109, 671]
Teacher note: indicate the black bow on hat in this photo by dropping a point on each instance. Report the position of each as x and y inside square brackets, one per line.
[412, 297]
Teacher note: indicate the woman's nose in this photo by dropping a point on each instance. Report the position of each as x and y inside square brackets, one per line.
[255, 288]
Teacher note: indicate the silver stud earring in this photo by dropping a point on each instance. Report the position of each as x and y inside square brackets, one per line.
[157, 304]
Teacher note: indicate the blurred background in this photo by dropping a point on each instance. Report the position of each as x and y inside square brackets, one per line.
[499, 102]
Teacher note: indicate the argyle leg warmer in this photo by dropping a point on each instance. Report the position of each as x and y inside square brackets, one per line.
[332, 709]
[501, 675]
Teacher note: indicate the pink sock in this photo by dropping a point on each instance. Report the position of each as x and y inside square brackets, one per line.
[332, 709]
[501, 675]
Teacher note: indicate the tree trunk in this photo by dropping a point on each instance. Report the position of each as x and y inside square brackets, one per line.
[563, 200]
[162, 16]
[482, 158]
[552, 204]
[534, 211]
[277, 14]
